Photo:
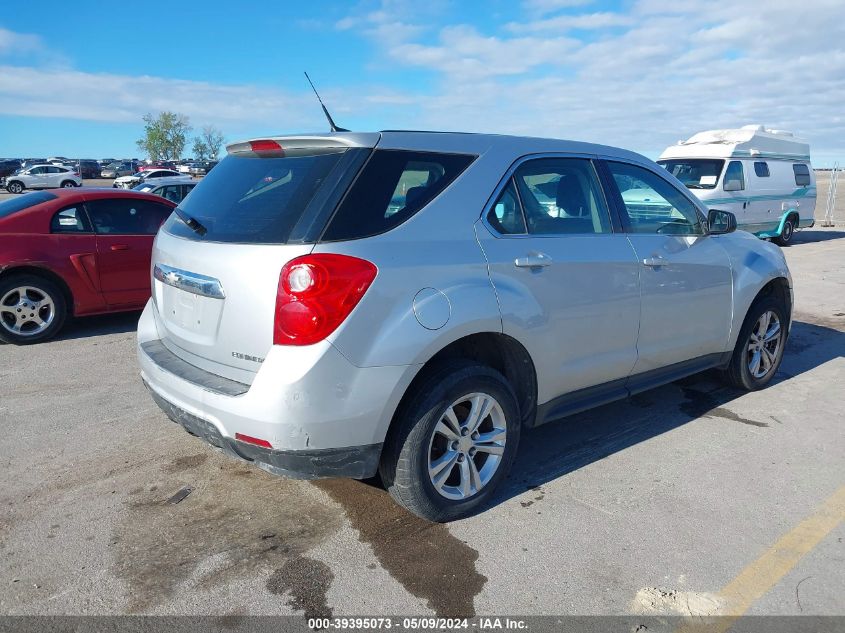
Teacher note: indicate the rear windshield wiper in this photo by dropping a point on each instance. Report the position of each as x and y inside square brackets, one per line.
[193, 224]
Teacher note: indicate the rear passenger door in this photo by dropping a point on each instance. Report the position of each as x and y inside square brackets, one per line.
[125, 229]
[685, 274]
[567, 280]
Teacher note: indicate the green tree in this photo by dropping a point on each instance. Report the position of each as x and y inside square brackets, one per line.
[213, 140]
[165, 136]
[200, 149]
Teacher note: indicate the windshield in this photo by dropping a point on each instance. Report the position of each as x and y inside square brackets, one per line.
[254, 200]
[695, 173]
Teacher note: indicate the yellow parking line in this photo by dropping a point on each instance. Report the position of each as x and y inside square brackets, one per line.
[764, 573]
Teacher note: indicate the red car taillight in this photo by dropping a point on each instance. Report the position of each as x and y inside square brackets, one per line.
[316, 293]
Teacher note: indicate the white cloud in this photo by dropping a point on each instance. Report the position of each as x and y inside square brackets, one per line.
[560, 23]
[28, 91]
[465, 52]
[19, 43]
[543, 7]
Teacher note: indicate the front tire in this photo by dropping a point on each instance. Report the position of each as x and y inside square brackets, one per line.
[453, 442]
[787, 233]
[15, 187]
[759, 348]
[32, 309]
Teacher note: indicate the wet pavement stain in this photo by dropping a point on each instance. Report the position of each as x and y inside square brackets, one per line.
[306, 582]
[700, 404]
[422, 556]
[181, 464]
[230, 527]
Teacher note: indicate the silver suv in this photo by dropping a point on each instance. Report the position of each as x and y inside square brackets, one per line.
[407, 303]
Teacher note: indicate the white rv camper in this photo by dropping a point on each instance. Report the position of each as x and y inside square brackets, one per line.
[762, 176]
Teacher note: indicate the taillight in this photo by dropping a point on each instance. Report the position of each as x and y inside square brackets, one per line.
[316, 293]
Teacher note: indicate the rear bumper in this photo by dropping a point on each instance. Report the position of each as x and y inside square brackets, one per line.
[322, 415]
[356, 462]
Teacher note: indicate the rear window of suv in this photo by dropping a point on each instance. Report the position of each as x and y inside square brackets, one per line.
[256, 200]
[285, 199]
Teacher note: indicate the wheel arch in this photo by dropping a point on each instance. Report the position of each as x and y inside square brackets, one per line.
[496, 350]
[777, 286]
[47, 274]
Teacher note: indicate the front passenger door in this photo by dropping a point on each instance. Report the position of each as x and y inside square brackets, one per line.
[685, 275]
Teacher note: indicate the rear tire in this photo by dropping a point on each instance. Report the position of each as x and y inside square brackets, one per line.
[68, 184]
[441, 462]
[15, 187]
[32, 309]
[759, 349]
[787, 233]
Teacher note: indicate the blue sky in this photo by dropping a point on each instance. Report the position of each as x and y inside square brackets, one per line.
[76, 78]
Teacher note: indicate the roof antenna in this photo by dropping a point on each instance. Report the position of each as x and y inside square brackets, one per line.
[332, 125]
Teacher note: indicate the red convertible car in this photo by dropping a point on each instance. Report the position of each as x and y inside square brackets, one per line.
[74, 252]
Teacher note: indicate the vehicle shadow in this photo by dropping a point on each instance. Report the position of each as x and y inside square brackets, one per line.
[117, 323]
[808, 236]
[558, 448]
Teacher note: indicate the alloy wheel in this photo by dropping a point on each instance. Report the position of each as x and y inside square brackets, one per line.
[466, 446]
[764, 344]
[26, 311]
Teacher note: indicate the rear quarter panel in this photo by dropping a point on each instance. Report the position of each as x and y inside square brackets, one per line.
[70, 257]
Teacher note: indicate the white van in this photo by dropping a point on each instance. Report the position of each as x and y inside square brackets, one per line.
[762, 176]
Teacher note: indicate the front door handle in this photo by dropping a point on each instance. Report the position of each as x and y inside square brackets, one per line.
[655, 261]
[533, 260]
[119, 247]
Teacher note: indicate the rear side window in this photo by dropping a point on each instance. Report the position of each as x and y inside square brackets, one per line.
[24, 202]
[761, 169]
[252, 200]
[392, 187]
[802, 174]
[70, 220]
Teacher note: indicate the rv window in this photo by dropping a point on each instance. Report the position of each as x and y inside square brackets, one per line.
[802, 174]
[734, 177]
[695, 173]
[761, 169]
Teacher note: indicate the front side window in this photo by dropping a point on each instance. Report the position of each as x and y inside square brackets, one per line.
[761, 169]
[651, 204]
[561, 196]
[506, 215]
[127, 216]
[70, 220]
[695, 173]
[392, 187]
[802, 174]
[734, 177]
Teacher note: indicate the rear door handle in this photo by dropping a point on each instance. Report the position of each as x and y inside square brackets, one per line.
[533, 260]
[654, 261]
[119, 247]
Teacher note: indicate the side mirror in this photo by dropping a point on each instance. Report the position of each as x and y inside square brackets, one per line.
[720, 222]
[732, 185]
